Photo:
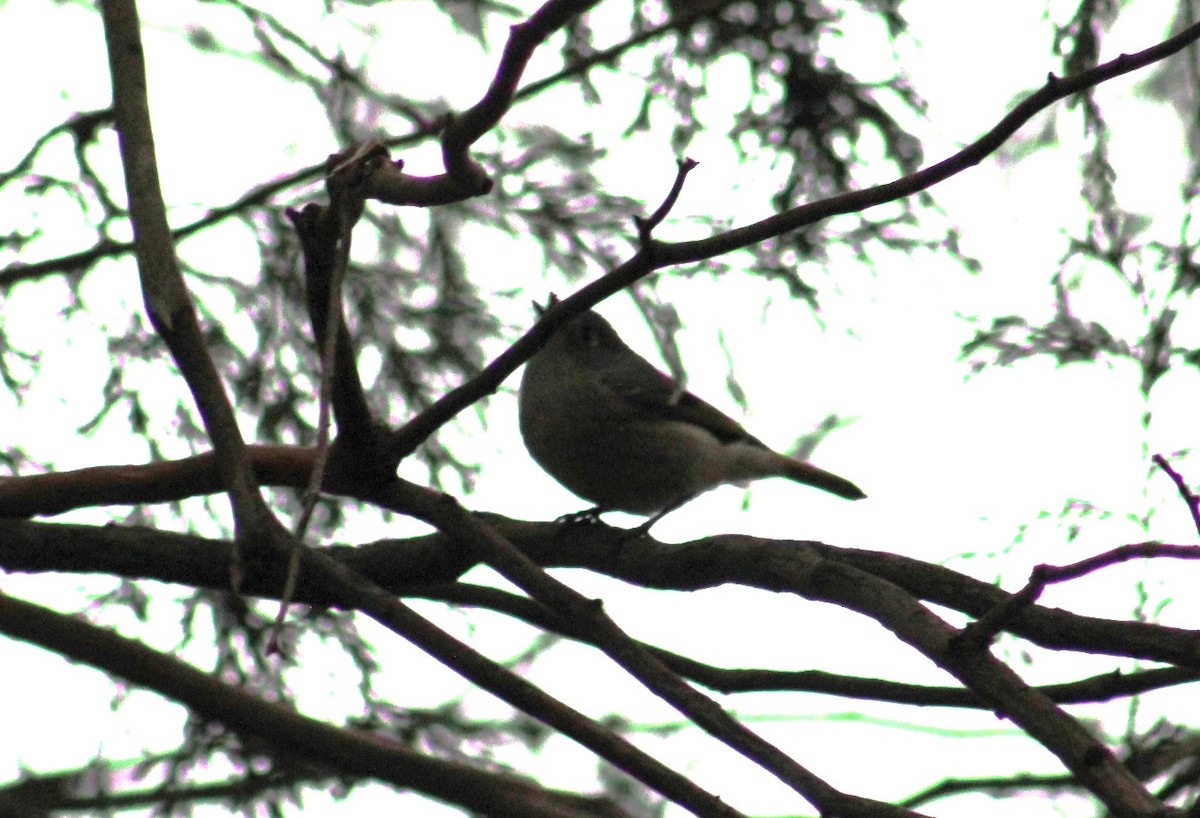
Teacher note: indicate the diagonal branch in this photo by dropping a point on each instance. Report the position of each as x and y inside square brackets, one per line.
[983, 630]
[1080, 752]
[1100, 688]
[345, 588]
[641, 264]
[588, 615]
[484, 115]
[399, 564]
[355, 752]
[1055, 89]
[164, 292]
[354, 592]
[1185, 493]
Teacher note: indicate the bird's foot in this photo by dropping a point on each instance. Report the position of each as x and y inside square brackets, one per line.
[589, 516]
[639, 531]
[644, 528]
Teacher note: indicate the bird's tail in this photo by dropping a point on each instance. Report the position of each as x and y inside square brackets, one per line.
[810, 475]
[754, 460]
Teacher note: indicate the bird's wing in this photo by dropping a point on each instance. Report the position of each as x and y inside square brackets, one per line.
[650, 394]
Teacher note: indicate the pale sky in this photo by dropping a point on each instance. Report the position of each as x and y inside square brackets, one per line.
[953, 467]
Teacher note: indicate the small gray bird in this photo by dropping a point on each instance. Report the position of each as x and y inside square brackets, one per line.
[610, 427]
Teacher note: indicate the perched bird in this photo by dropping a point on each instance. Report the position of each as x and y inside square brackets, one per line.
[613, 429]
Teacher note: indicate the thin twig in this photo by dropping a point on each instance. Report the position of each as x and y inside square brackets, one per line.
[645, 226]
[1189, 497]
[982, 631]
[345, 183]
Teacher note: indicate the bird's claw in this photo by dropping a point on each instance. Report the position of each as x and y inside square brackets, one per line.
[589, 516]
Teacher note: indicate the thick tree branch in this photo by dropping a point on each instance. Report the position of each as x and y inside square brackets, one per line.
[399, 565]
[342, 749]
[343, 587]
[461, 527]
[780, 567]
[418, 567]
[901, 613]
[353, 592]
[166, 481]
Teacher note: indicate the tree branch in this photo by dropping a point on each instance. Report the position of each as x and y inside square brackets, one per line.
[420, 567]
[399, 565]
[484, 115]
[817, 572]
[1101, 688]
[444, 513]
[352, 751]
[165, 294]
[913, 623]
[644, 262]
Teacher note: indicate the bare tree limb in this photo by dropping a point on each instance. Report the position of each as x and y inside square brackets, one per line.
[982, 631]
[166, 298]
[342, 749]
[449, 517]
[1185, 493]
[1104, 687]
[473, 123]
[664, 254]
[410, 565]
[913, 623]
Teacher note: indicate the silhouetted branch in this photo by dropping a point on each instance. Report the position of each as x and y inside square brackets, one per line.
[982, 631]
[1189, 497]
[167, 301]
[496, 551]
[1104, 687]
[346, 750]
[646, 226]
[663, 254]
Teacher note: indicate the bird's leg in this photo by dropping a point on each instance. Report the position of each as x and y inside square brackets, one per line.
[644, 528]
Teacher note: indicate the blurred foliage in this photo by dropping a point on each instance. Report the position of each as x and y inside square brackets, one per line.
[1158, 277]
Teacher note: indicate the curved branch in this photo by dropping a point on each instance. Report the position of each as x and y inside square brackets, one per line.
[1055, 89]
[162, 482]
[661, 254]
[1093, 764]
[399, 565]
[484, 115]
[814, 571]
[1101, 688]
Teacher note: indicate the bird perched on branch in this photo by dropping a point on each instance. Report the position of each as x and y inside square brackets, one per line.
[613, 429]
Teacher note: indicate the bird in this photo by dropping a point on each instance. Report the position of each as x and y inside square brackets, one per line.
[617, 432]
